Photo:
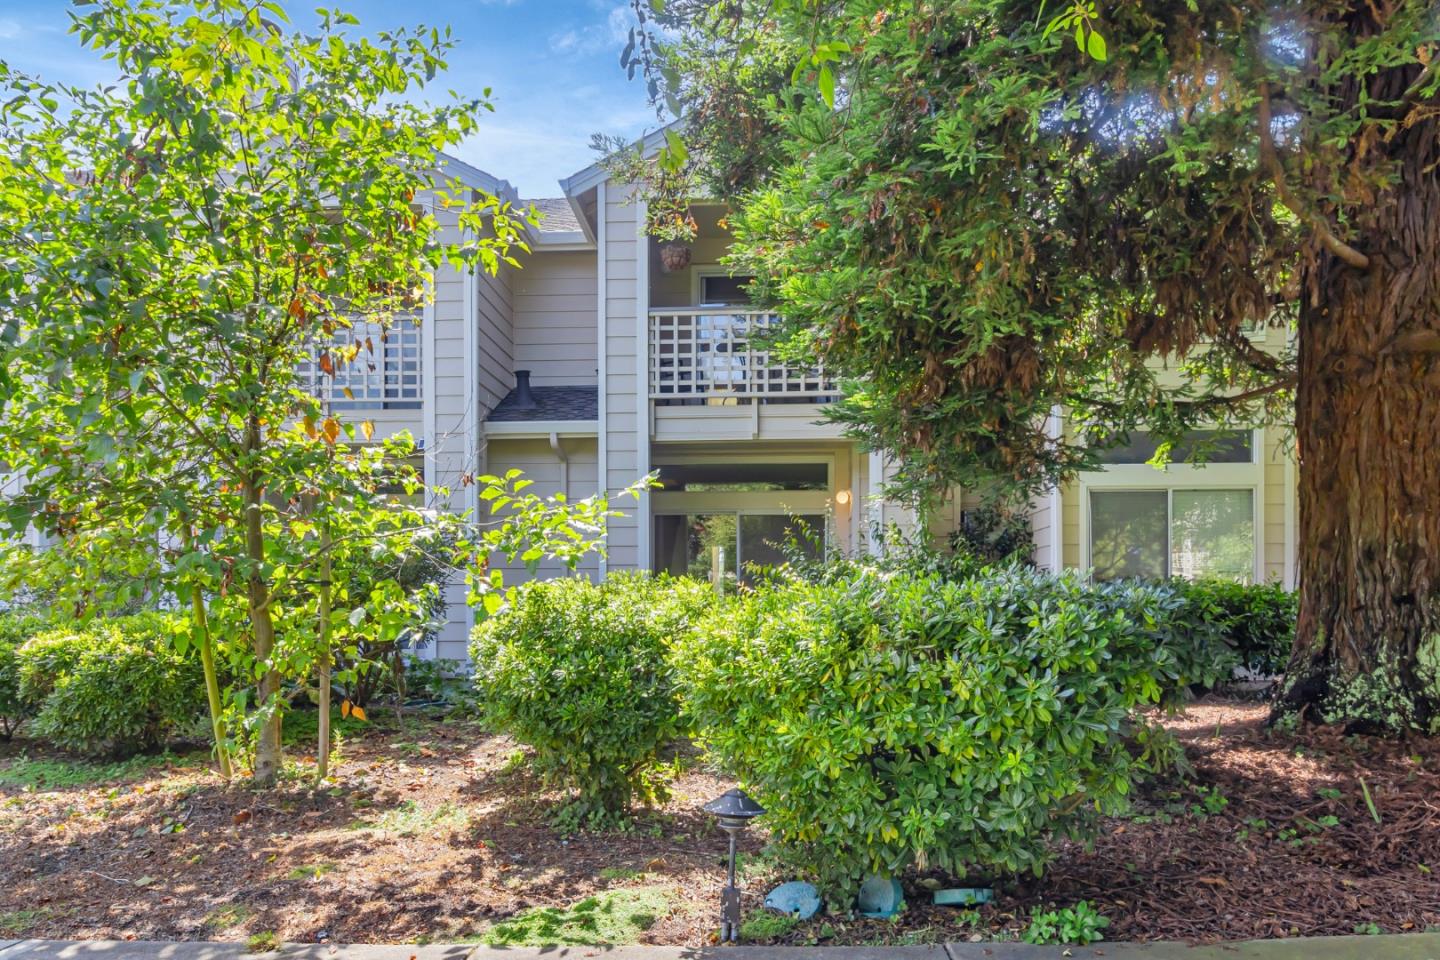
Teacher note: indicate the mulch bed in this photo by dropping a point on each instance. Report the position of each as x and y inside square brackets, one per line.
[435, 831]
[1296, 849]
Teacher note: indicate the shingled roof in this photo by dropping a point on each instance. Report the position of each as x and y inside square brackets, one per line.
[551, 403]
[557, 214]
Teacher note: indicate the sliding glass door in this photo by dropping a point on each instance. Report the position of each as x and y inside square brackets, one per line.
[731, 547]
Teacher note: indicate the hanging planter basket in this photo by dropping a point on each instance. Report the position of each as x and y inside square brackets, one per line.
[674, 256]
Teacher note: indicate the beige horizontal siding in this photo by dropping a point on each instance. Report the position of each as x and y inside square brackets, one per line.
[555, 335]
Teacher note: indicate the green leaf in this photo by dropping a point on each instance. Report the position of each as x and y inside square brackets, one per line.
[1096, 46]
[827, 85]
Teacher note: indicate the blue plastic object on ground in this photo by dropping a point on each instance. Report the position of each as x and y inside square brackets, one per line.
[880, 897]
[794, 899]
[963, 896]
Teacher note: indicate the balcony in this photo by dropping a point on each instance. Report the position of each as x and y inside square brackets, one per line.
[708, 356]
[384, 375]
[711, 380]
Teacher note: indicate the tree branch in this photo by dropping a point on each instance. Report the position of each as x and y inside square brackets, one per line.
[1271, 162]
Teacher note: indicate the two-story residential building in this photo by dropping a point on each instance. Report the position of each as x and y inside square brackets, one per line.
[593, 365]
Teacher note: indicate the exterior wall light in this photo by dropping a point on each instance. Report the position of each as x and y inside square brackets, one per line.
[842, 498]
[732, 812]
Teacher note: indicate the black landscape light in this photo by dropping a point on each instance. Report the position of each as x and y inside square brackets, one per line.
[732, 811]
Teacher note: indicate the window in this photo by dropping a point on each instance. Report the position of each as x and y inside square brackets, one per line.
[724, 290]
[1175, 532]
[1212, 446]
[733, 546]
[737, 477]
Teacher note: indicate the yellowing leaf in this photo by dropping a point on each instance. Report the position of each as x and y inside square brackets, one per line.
[367, 427]
[332, 429]
[358, 713]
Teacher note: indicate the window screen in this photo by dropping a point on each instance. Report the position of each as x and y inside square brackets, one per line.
[1212, 534]
[1172, 533]
[1129, 533]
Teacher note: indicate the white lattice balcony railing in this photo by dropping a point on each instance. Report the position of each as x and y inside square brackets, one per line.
[385, 374]
[707, 353]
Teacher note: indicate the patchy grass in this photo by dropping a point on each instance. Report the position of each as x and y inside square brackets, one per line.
[302, 727]
[310, 871]
[59, 773]
[228, 917]
[263, 942]
[766, 926]
[17, 922]
[410, 819]
[620, 873]
[615, 918]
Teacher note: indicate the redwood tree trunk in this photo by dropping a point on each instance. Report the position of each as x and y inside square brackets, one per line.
[1368, 437]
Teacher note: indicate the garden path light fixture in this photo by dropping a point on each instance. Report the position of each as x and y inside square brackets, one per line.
[732, 811]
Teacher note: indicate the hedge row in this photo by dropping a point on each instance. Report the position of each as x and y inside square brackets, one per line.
[110, 687]
[886, 719]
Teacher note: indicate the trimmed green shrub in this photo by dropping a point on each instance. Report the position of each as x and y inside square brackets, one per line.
[15, 629]
[1257, 620]
[1194, 633]
[112, 687]
[578, 671]
[891, 722]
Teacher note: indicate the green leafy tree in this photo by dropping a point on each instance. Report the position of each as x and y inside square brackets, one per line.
[981, 224]
[175, 247]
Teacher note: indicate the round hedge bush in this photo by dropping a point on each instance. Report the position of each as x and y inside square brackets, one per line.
[578, 671]
[891, 722]
[111, 687]
[15, 629]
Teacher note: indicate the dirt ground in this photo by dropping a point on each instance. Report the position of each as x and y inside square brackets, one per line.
[435, 830]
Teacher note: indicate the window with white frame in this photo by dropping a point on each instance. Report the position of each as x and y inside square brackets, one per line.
[1197, 518]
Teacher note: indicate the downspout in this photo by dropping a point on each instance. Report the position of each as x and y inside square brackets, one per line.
[559, 452]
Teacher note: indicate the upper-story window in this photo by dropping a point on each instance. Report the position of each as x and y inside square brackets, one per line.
[718, 289]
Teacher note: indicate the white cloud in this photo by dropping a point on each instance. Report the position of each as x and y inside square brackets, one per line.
[609, 33]
[10, 29]
[534, 149]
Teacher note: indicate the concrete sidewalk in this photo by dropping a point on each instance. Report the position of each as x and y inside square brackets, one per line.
[1419, 946]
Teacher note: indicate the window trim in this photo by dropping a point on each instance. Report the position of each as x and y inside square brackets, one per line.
[697, 286]
[1141, 477]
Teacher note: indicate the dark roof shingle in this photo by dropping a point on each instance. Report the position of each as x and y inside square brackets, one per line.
[551, 403]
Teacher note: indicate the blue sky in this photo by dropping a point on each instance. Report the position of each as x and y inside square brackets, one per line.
[553, 67]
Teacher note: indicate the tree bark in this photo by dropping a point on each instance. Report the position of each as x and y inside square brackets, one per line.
[262, 624]
[322, 666]
[1368, 438]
